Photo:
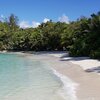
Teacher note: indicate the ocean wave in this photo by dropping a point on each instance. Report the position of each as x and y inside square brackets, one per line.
[68, 91]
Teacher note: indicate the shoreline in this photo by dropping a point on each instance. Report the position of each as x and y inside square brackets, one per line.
[69, 87]
[88, 83]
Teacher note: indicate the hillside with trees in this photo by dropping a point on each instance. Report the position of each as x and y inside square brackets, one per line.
[80, 38]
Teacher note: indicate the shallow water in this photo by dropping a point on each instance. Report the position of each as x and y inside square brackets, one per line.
[27, 79]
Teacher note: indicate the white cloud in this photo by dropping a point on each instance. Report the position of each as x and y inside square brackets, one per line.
[35, 24]
[26, 24]
[2, 17]
[46, 20]
[64, 18]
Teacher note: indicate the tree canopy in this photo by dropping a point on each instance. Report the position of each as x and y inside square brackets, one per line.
[80, 37]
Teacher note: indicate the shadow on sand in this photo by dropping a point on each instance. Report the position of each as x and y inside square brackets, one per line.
[67, 58]
[95, 69]
[73, 58]
[48, 52]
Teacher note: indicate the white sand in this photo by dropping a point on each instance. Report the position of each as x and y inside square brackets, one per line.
[88, 83]
[84, 62]
[88, 63]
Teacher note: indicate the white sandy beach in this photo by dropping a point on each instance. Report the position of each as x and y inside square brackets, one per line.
[84, 62]
[79, 83]
[87, 84]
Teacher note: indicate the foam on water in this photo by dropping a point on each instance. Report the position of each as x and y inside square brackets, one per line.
[68, 91]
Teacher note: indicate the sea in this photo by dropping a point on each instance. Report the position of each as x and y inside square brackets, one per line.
[22, 78]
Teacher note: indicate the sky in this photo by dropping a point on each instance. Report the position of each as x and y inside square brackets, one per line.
[33, 12]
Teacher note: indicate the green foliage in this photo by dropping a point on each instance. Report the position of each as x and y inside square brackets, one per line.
[87, 37]
[95, 54]
[12, 22]
[81, 37]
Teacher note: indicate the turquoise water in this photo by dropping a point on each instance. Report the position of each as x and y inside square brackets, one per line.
[25, 79]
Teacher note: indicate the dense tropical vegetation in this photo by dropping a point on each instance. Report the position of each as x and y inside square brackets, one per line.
[80, 38]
